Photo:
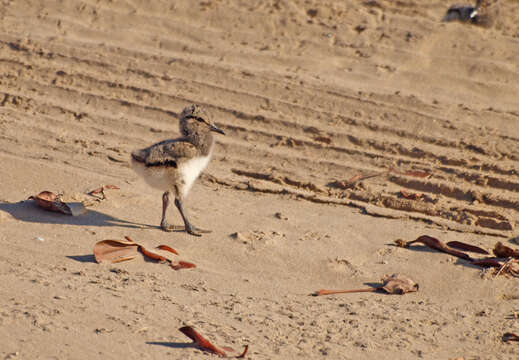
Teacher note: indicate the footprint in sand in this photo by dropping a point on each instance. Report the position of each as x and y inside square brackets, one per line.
[258, 239]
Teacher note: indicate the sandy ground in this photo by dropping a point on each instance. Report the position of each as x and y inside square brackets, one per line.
[310, 94]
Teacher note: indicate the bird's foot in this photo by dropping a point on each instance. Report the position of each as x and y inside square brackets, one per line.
[196, 231]
[190, 229]
[202, 231]
[169, 228]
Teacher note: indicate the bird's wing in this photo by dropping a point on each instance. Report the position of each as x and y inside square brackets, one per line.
[168, 152]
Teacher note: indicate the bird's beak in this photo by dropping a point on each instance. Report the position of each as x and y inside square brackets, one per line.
[216, 129]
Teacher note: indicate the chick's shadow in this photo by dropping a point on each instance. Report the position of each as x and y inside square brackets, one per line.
[174, 345]
[28, 211]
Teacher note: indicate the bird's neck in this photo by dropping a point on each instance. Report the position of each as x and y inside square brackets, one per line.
[202, 140]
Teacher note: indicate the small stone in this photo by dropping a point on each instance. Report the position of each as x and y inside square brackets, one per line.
[280, 216]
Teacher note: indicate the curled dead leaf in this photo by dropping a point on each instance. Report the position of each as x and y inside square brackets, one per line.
[205, 345]
[504, 251]
[434, 243]
[114, 251]
[101, 190]
[487, 263]
[392, 284]
[466, 247]
[182, 265]
[398, 284]
[511, 267]
[411, 196]
[52, 202]
[510, 337]
[167, 248]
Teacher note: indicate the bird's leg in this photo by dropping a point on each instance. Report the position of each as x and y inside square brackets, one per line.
[164, 225]
[165, 202]
[189, 228]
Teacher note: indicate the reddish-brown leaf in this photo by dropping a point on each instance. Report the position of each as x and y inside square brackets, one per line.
[200, 341]
[182, 265]
[167, 248]
[398, 284]
[420, 174]
[411, 196]
[114, 251]
[129, 239]
[122, 250]
[51, 202]
[466, 247]
[96, 191]
[504, 251]
[392, 284]
[332, 292]
[204, 344]
[151, 255]
[510, 337]
[242, 355]
[487, 263]
[436, 244]
[101, 190]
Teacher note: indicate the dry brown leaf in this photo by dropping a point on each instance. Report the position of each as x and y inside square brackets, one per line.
[182, 265]
[167, 248]
[398, 284]
[511, 267]
[114, 251]
[510, 337]
[52, 202]
[504, 251]
[392, 284]
[411, 196]
[205, 345]
[434, 243]
[466, 247]
[487, 263]
[101, 190]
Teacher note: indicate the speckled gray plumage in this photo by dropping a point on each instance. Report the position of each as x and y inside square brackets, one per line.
[197, 140]
[174, 165]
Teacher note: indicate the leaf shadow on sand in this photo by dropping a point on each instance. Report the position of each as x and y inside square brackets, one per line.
[375, 285]
[28, 211]
[515, 240]
[174, 345]
[83, 258]
[425, 249]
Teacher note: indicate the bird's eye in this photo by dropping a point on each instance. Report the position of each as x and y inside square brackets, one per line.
[198, 118]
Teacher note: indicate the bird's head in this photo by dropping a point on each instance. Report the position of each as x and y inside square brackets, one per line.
[195, 119]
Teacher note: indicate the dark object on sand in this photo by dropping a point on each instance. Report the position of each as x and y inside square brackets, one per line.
[484, 13]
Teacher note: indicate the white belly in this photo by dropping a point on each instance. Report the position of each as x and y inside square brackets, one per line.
[156, 177]
[190, 171]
